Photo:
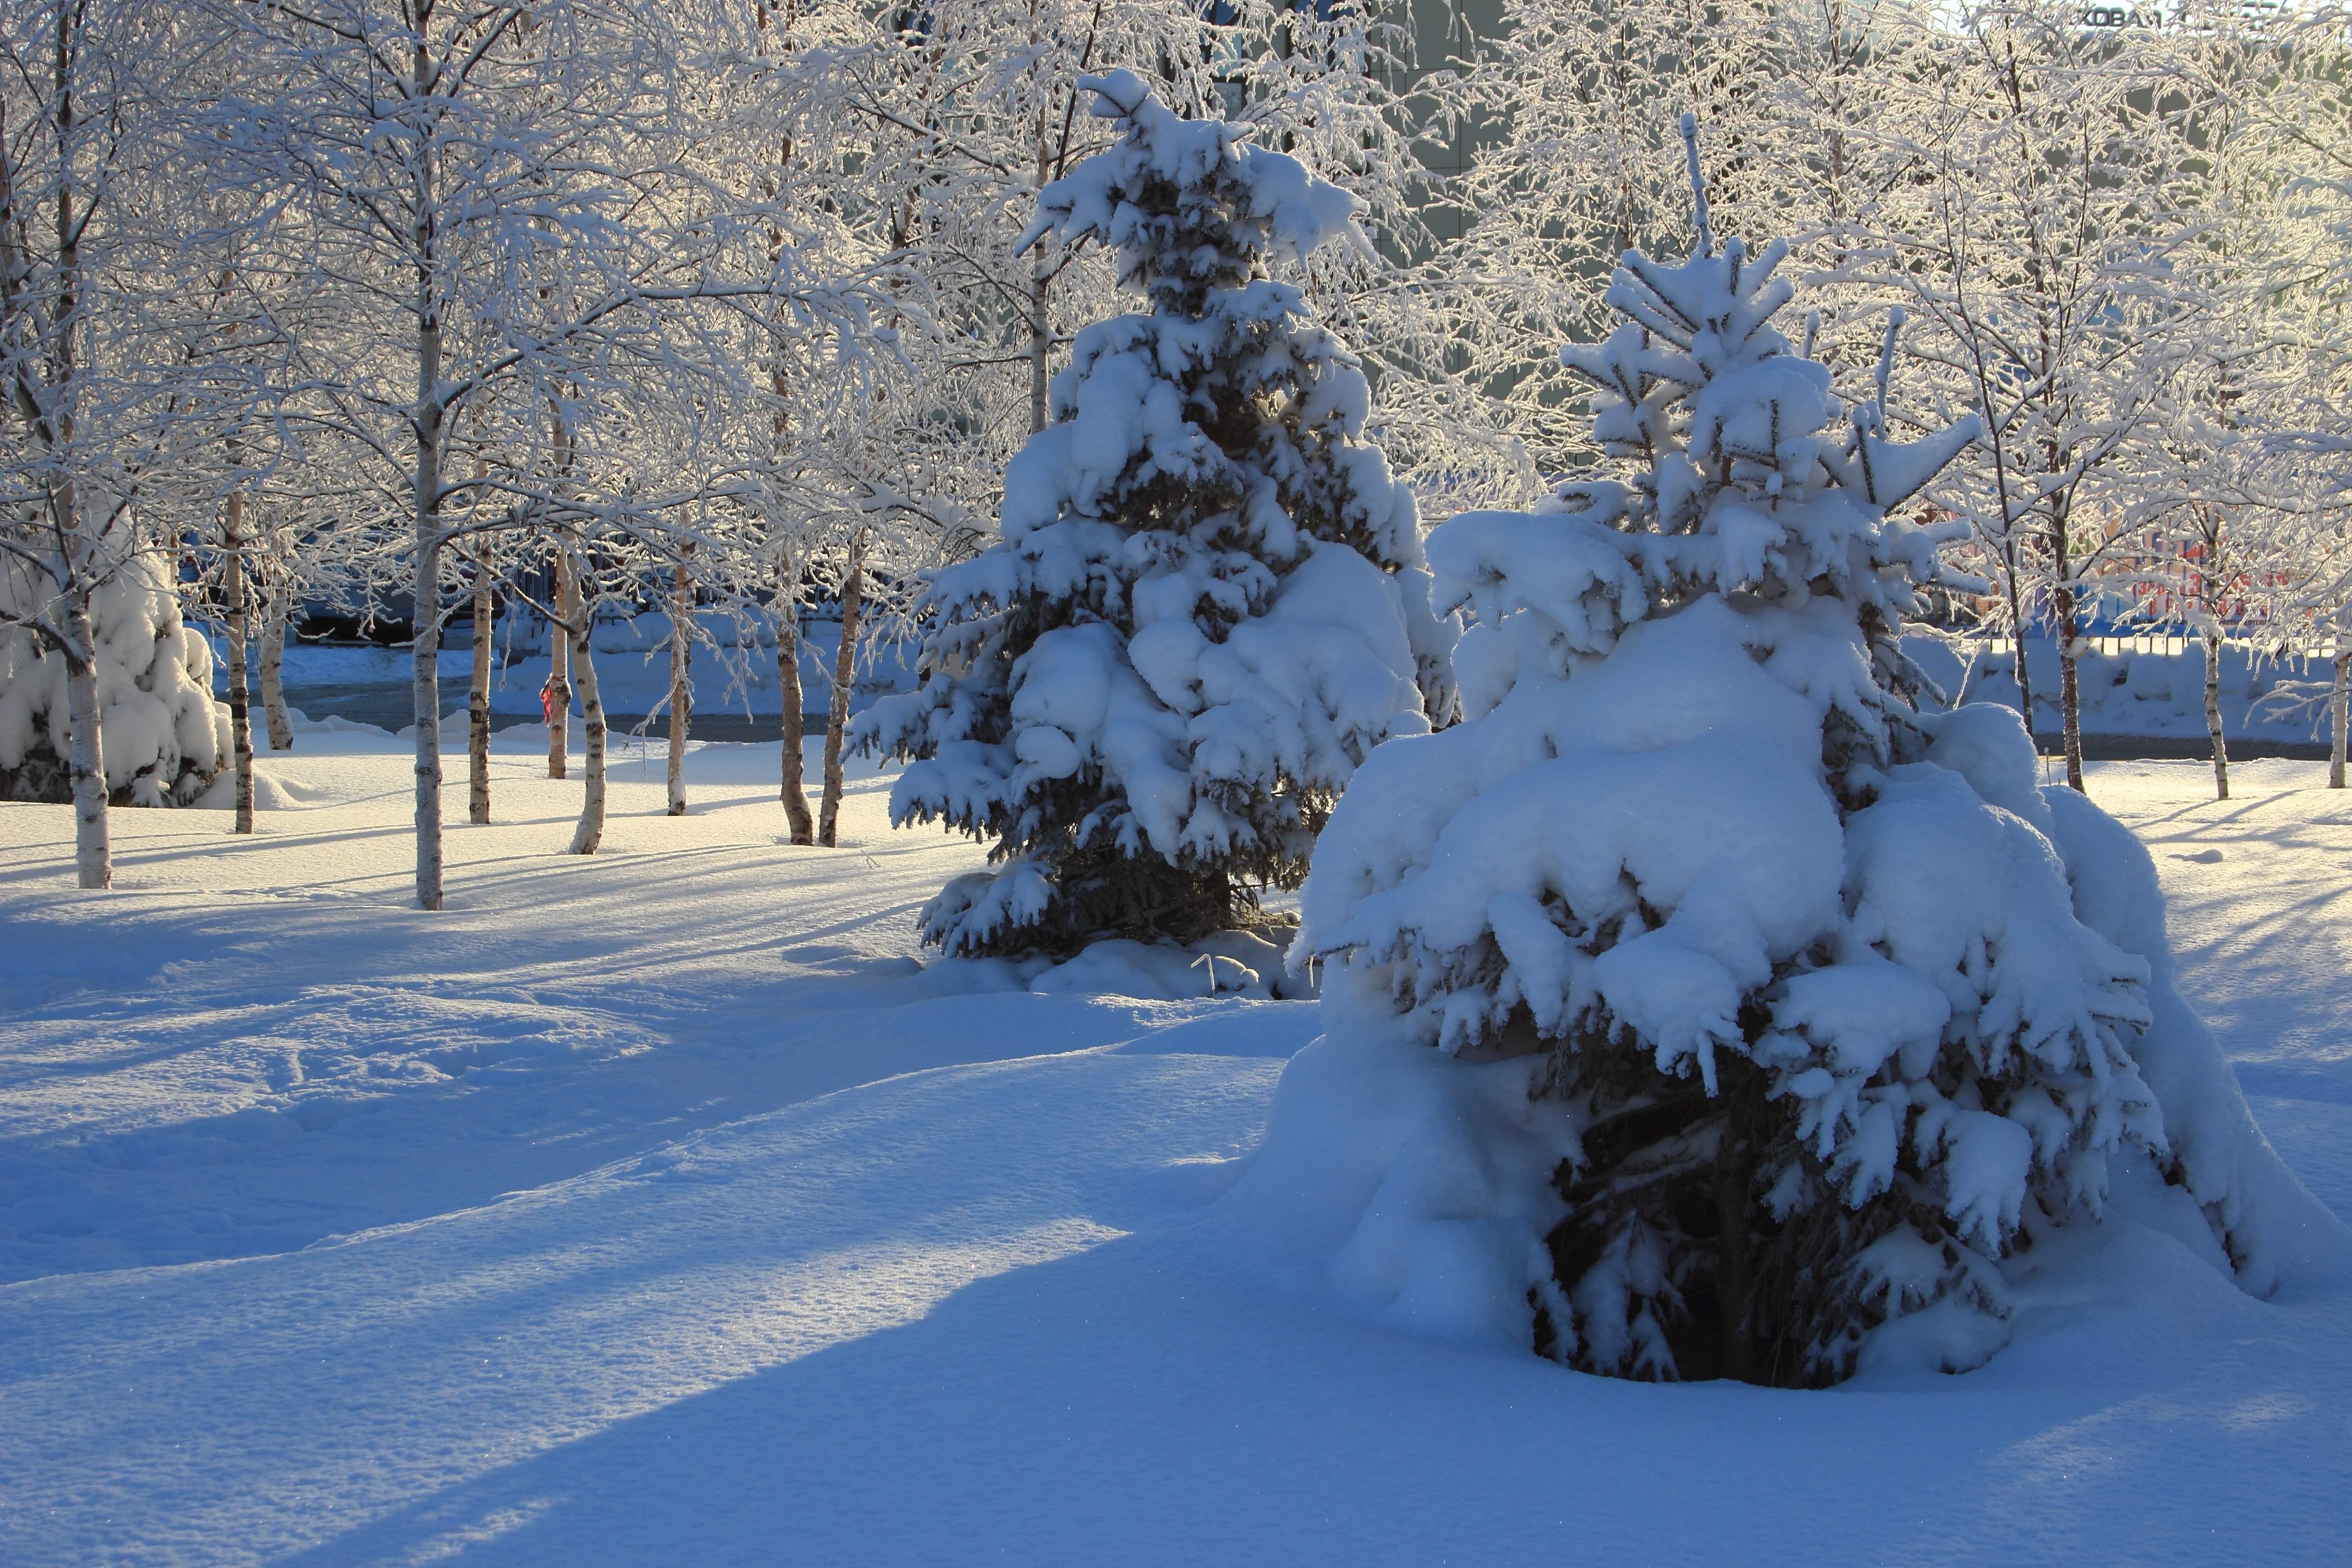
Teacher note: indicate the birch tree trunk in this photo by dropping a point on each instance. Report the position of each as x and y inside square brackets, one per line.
[425, 690]
[2339, 709]
[559, 657]
[273, 665]
[478, 700]
[1041, 340]
[93, 854]
[240, 689]
[1041, 321]
[788, 687]
[591, 831]
[2213, 715]
[681, 664]
[52, 423]
[844, 667]
[2017, 632]
[429, 418]
[2069, 705]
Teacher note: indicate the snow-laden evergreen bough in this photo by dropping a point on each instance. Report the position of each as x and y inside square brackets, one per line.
[164, 737]
[1207, 603]
[1708, 1004]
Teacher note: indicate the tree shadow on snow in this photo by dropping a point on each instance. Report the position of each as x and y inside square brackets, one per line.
[1135, 1402]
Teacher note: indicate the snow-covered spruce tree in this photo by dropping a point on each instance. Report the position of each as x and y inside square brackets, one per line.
[1206, 603]
[165, 737]
[1797, 1026]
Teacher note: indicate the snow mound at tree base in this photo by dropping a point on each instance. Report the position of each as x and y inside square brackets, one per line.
[301, 723]
[268, 794]
[1225, 963]
[43, 778]
[1417, 1188]
[1413, 1186]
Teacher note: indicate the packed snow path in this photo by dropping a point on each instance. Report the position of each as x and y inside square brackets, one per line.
[655, 1207]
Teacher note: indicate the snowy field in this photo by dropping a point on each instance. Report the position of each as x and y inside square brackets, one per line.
[659, 1208]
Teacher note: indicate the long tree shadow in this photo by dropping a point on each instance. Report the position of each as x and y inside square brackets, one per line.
[1104, 1408]
[794, 1040]
[1137, 1404]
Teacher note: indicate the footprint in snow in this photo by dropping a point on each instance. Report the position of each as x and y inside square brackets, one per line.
[2202, 857]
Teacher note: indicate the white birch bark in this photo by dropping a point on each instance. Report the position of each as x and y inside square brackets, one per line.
[2069, 640]
[2213, 715]
[844, 667]
[426, 686]
[544, 117]
[425, 690]
[240, 689]
[273, 664]
[2339, 709]
[478, 700]
[1041, 335]
[591, 831]
[48, 414]
[788, 688]
[559, 657]
[681, 661]
[86, 764]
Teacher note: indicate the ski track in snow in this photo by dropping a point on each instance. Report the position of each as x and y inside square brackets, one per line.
[655, 1207]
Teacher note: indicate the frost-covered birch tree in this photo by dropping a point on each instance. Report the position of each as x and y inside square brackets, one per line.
[500, 191]
[1572, 165]
[2291, 88]
[961, 113]
[85, 123]
[2216, 521]
[2044, 237]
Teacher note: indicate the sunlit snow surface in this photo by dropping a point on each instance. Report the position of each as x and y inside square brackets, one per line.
[656, 1208]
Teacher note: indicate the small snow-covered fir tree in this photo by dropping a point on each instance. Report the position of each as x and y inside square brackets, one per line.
[164, 737]
[1207, 602]
[1791, 959]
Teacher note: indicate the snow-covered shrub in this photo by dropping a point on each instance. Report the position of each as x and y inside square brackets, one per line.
[163, 735]
[1207, 602]
[1796, 1009]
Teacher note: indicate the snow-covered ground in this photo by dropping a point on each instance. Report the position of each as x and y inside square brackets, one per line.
[661, 1207]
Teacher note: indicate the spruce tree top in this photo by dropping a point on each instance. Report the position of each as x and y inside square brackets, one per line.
[1744, 485]
[1205, 605]
[1189, 205]
[1221, 405]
